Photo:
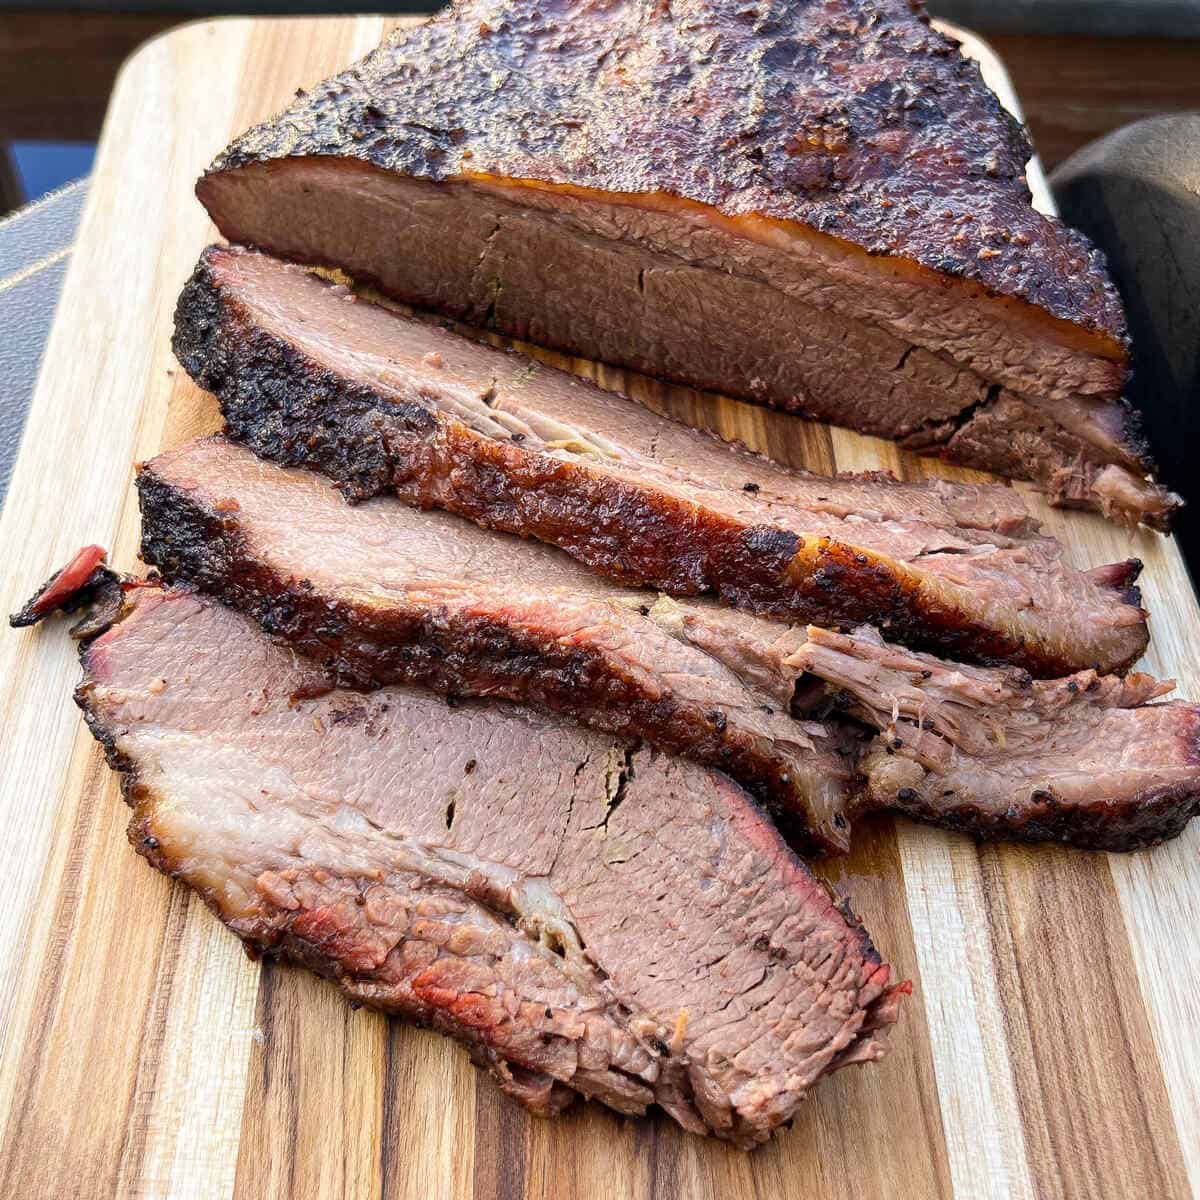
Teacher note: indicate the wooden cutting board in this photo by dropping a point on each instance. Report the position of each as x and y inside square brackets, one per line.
[1052, 1044]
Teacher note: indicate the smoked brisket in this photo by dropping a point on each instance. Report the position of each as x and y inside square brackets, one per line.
[1087, 759]
[308, 374]
[381, 594]
[585, 917]
[812, 204]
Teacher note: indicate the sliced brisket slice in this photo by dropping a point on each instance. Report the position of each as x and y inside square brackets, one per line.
[586, 918]
[818, 206]
[1085, 760]
[307, 374]
[381, 594]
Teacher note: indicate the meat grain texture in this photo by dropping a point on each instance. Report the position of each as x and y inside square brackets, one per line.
[307, 375]
[1090, 759]
[815, 205]
[383, 594]
[586, 918]
[380, 594]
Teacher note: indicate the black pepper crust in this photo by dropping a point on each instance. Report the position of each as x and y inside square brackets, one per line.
[1134, 822]
[857, 120]
[292, 410]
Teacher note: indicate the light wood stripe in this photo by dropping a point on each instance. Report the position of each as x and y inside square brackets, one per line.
[429, 1134]
[983, 1115]
[1159, 894]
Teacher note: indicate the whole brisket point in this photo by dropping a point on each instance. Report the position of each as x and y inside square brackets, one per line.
[380, 593]
[1086, 760]
[585, 917]
[817, 206]
[308, 374]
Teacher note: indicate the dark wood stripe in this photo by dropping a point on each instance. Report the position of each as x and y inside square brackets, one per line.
[269, 1114]
[387, 1138]
[312, 1122]
[588, 1151]
[1094, 1105]
[659, 1145]
[501, 1144]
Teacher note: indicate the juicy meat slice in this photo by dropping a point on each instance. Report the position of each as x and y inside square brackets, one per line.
[381, 594]
[308, 374]
[1086, 760]
[818, 206]
[586, 917]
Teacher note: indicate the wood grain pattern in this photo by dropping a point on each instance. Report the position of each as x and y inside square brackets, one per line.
[1050, 1048]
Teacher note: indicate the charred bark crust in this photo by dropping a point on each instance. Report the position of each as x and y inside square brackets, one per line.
[723, 106]
[293, 411]
[195, 546]
[1134, 823]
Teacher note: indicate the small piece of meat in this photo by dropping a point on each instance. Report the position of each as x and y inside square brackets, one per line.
[585, 916]
[84, 581]
[816, 206]
[306, 379]
[380, 593]
[1086, 759]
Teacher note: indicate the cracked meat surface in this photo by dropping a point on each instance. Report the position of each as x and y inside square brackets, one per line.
[381, 593]
[587, 918]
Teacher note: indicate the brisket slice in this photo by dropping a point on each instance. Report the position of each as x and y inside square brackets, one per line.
[1085, 760]
[383, 594]
[818, 206]
[307, 374]
[585, 917]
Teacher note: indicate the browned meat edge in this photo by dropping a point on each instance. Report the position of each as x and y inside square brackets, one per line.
[1084, 760]
[195, 541]
[293, 410]
[855, 119]
[366, 647]
[322, 949]
[853, 129]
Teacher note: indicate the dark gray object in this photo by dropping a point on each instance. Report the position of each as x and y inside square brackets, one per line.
[1136, 192]
[34, 250]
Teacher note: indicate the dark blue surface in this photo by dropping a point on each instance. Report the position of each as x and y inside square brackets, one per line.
[44, 167]
[1119, 18]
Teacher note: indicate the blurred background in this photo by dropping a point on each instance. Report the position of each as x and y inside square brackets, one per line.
[1081, 68]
